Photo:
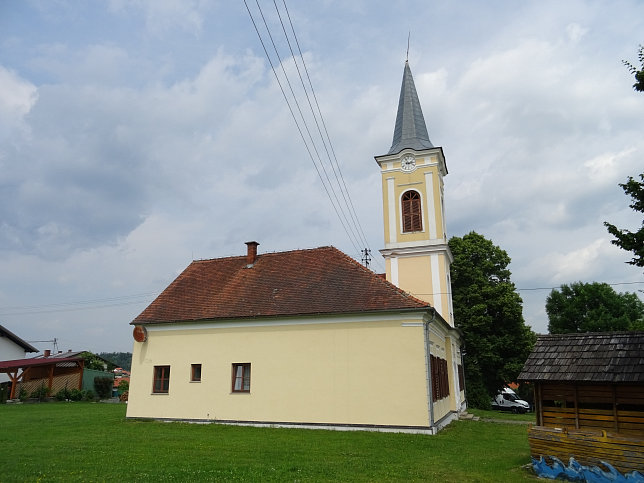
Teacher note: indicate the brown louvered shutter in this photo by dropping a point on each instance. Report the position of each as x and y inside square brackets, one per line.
[411, 211]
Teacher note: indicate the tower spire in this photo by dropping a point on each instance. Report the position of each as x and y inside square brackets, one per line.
[410, 130]
[417, 256]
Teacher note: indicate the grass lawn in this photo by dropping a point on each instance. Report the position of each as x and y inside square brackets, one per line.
[504, 415]
[94, 442]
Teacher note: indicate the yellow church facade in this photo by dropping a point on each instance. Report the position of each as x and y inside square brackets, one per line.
[417, 260]
[311, 338]
[338, 372]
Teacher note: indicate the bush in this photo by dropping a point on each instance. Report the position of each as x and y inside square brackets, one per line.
[75, 395]
[103, 386]
[23, 395]
[88, 395]
[477, 396]
[62, 395]
[124, 386]
[41, 393]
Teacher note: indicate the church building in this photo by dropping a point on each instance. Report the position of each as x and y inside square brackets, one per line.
[311, 338]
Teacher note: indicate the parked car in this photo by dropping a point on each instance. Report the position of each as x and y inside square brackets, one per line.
[507, 400]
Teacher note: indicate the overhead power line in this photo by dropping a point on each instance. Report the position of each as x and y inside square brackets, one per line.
[337, 172]
[92, 304]
[309, 121]
[560, 286]
[540, 288]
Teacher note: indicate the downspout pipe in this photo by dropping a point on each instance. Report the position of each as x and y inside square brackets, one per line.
[464, 385]
[428, 369]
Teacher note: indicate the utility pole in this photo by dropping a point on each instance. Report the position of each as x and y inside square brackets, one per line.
[366, 257]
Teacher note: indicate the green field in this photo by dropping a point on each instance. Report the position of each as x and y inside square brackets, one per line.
[94, 442]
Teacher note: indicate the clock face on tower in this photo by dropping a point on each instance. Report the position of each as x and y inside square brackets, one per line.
[408, 163]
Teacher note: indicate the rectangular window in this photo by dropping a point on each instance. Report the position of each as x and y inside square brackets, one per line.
[241, 377]
[440, 378]
[195, 373]
[161, 383]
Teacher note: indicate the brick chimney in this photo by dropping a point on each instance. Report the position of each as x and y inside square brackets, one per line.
[251, 254]
[46, 353]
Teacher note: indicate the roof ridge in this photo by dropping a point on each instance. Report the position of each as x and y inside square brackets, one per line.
[276, 252]
[595, 334]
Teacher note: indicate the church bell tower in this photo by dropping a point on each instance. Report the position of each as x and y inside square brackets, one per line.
[416, 253]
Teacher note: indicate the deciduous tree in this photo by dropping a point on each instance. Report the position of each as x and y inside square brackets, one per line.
[638, 73]
[593, 307]
[627, 240]
[489, 311]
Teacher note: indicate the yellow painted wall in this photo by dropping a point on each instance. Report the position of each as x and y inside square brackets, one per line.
[339, 373]
[414, 276]
[440, 347]
[415, 180]
[414, 269]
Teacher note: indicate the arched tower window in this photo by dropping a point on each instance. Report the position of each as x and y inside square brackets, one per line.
[412, 215]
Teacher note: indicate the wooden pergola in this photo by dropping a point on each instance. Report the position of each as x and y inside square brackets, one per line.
[41, 368]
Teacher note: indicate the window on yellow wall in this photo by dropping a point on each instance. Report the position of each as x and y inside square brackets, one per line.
[195, 373]
[241, 377]
[412, 219]
[161, 383]
[440, 378]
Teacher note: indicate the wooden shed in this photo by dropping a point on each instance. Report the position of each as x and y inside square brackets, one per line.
[589, 398]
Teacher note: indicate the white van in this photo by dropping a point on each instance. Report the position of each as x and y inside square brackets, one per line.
[507, 400]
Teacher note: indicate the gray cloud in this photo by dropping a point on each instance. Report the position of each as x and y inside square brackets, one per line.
[142, 136]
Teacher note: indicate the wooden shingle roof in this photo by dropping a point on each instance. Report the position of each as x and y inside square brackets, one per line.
[299, 282]
[610, 357]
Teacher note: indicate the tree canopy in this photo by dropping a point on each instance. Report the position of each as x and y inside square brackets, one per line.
[638, 73]
[593, 307]
[489, 311]
[627, 240]
[94, 361]
[119, 359]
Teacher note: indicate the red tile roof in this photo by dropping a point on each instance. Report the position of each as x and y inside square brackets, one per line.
[299, 282]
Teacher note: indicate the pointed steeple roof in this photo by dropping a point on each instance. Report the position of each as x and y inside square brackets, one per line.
[410, 130]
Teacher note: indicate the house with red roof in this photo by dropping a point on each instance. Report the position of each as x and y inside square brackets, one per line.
[311, 338]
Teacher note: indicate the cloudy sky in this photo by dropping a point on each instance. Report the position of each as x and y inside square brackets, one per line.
[136, 136]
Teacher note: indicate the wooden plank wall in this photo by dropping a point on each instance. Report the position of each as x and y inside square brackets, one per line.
[588, 447]
[614, 408]
[69, 381]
